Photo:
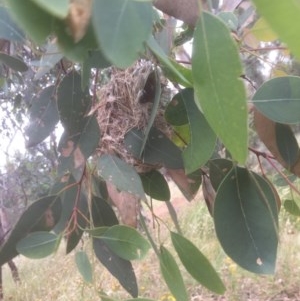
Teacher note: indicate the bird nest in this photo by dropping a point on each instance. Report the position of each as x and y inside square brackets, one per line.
[125, 102]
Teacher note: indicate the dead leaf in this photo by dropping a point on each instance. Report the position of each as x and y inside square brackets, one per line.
[186, 184]
[79, 18]
[79, 159]
[49, 218]
[265, 129]
[209, 194]
[126, 203]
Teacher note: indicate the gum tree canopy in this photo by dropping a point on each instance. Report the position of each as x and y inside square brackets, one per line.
[148, 91]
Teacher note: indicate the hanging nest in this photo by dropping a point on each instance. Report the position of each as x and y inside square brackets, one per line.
[125, 102]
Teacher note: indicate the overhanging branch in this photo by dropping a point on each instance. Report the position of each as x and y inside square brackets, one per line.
[185, 10]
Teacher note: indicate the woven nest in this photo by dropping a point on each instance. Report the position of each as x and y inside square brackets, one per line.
[120, 109]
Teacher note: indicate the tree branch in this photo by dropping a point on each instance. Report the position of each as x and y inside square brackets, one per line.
[186, 10]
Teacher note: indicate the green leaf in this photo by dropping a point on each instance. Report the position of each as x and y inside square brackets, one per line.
[184, 72]
[13, 62]
[246, 220]
[77, 51]
[183, 110]
[282, 16]
[57, 8]
[119, 23]
[159, 150]
[291, 207]
[182, 135]
[121, 174]
[67, 190]
[102, 213]
[220, 94]
[38, 245]
[43, 116]
[197, 264]
[175, 112]
[96, 232]
[120, 268]
[172, 275]
[84, 266]
[8, 28]
[229, 19]
[155, 185]
[287, 144]
[218, 169]
[32, 19]
[126, 242]
[202, 138]
[279, 99]
[82, 133]
[96, 59]
[41, 215]
[173, 70]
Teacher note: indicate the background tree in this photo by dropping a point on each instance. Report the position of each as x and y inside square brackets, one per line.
[136, 108]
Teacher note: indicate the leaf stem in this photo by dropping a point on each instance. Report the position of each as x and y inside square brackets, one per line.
[145, 228]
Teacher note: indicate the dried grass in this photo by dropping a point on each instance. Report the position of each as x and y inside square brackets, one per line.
[119, 110]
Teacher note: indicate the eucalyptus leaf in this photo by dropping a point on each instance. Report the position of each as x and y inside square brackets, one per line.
[172, 276]
[102, 213]
[120, 268]
[126, 242]
[57, 8]
[287, 144]
[42, 215]
[38, 25]
[9, 30]
[13, 62]
[155, 185]
[84, 266]
[197, 264]
[159, 150]
[175, 112]
[121, 174]
[229, 19]
[218, 169]
[173, 69]
[220, 94]
[246, 220]
[82, 133]
[77, 51]
[202, 138]
[119, 23]
[38, 245]
[43, 116]
[279, 99]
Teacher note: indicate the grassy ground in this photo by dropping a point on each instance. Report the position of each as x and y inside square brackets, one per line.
[56, 277]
